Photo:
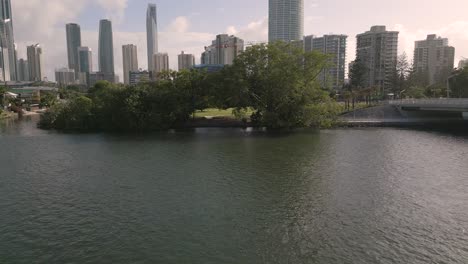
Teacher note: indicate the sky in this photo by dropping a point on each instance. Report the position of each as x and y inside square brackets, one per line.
[190, 25]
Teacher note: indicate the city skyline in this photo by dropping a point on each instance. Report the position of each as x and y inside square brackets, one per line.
[190, 28]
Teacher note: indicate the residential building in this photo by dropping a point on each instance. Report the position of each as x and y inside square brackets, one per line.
[285, 20]
[35, 62]
[23, 70]
[186, 61]
[85, 64]
[223, 50]
[94, 77]
[139, 76]
[73, 43]
[65, 76]
[161, 63]
[151, 34]
[130, 61]
[106, 47]
[7, 42]
[335, 47]
[377, 49]
[435, 58]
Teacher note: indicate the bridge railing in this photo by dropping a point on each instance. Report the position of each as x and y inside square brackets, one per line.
[448, 102]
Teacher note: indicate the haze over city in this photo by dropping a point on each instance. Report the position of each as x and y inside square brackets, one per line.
[189, 26]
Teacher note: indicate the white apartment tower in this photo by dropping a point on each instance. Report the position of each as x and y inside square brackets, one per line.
[35, 62]
[186, 61]
[130, 61]
[161, 62]
[223, 50]
[285, 20]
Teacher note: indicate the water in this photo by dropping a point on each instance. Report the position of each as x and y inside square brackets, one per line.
[228, 196]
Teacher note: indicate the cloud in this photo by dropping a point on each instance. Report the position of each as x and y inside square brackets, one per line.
[252, 32]
[115, 9]
[180, 24]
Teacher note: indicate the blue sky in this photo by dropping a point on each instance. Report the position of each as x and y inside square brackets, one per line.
[190, 25]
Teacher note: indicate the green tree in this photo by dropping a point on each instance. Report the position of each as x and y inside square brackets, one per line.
[459, 84]
[281, 83]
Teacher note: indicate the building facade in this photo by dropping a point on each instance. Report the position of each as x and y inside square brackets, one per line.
[285, 20]
[85, 64]
[73, 32]
[36, 63]
[95, 77]
[186, 61]
[335, 47]
[434, 58]
[377, 49]
[23, 70]
[130, 61]
[161, 63]
[65, 76]
[7, 42]
[223, 50]
[151, 34]
[106, 47]
[137, 77]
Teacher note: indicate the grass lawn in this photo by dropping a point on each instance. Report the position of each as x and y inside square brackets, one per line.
[213, 112]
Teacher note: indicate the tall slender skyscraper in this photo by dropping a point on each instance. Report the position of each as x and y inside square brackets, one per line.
[73, 43]
[35, 61]
[286, 20]
[130, 61]
[7, 42]
[106, 47]
[151, 34]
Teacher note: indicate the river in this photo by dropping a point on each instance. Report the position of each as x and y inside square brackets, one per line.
[232, 196]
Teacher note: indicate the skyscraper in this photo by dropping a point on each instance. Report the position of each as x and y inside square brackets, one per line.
[7, 42]
[286, 20]
[434, 58]
[151, 34]
[130, 61]
[35, 61]
[186, 61]
[335, 47]
[106, 47]
[377, 50]
[85, 64]
[73, 43]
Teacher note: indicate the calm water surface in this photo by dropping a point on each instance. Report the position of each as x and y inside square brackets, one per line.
[229, 196]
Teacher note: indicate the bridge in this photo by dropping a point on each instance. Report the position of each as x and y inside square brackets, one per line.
[444, 107]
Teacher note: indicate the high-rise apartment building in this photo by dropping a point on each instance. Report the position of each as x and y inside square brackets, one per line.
[106, 47]
[130, 61]
[223, 50]
[151, 34]
[434, 58]
[85, 64]
[36, 63]
[65, 76]
[73, 43]
[463, 64]
[22, 70]
[7, 42]
[335, 47]
[186, 61]
[377, 49]
[161, 63]
[286, 20]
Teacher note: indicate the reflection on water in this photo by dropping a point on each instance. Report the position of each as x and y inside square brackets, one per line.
[233, 196]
